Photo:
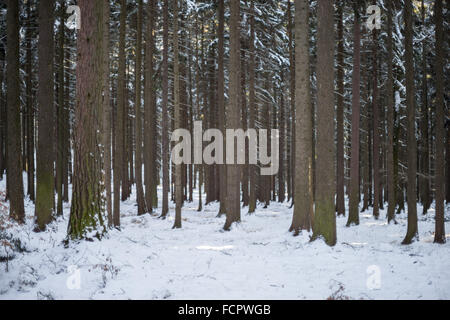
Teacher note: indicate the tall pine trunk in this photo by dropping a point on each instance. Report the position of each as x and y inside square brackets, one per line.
[141, 203]
[424, 186]
[412, 232]
[303, 208]
[150, 131]
[178, 115]
[324, 222]
[233, 213]
[60, 113]
[106, 110]
[13, 154]
[252, 106]
[119, 149]
[46, 111]
[340, 201]
[439, 236]
[390, 119]
[29, 104]
[165, 117]
[353, 215]
[86, 214]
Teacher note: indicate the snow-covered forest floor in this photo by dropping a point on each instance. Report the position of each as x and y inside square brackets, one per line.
[258, 259]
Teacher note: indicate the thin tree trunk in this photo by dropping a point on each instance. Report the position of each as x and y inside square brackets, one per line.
[412, 232]
[150, 131]
[390, 119]
[425, 156]
[177, 106]
[165, 118]
[291, 126]
[2, 118]
[29, 105]
[119, 150]
[353, 215]
[233, 116]
[282, 128]
[252, 106]
[340, 201]
[439, 236]
[60, 113]
[140, 198]
[376, 131]
[244, 112]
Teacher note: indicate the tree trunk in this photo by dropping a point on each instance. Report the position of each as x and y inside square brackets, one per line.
[119, 150]
[376, 131]
[244, 112]
[106, 120]
[29, 105]
[165, 118]
[60, 113]
[425, 141]
[252, 106]
[412, 232]
[390, 119]
[45, 148]
[340, 201]
[233, 116]
[324, 223]
[86, 214]
[150, 131]
[303, 210]
[439, 235]
[141, 203]
[178, 120]
[13, 155]
[221, 101]
[282, 128]
[353, 215]
[2, 112]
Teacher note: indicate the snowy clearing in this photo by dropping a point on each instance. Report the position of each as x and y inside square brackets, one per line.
[258, 259]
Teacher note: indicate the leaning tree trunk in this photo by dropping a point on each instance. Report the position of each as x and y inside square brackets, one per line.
[324, 223]
[303, 208]
[13, 155]
[86, 214]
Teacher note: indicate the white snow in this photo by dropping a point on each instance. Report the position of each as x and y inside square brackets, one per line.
[258, 259]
